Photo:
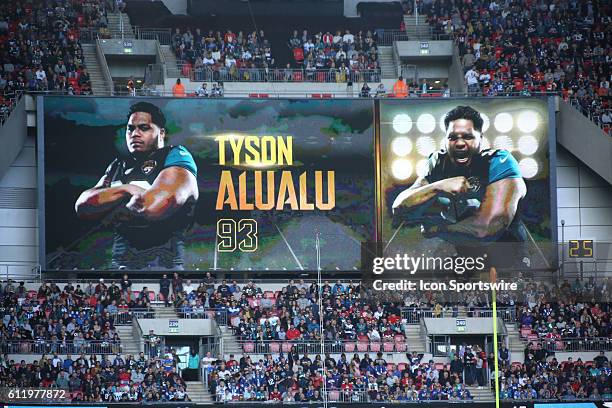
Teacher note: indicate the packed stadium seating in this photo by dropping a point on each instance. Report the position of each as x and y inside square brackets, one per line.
[527, 47]
[282, 326]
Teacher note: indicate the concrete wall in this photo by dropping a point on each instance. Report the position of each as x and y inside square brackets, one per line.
[585, 140]
[448, 326]
[126, 67]
[139, 47]
[437, 49]
[186, 327]
[456, 82]
[18, 217]
[12, 135]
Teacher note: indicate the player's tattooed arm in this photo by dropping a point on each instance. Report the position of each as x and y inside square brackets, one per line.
[173, 188]
[100, 200]
[496, 212]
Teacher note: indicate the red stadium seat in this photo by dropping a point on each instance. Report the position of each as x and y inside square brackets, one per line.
[388, 347]
[249, 347]
[439, 366]
[315, 96]
[252, 95]
[362, 346]
[334, 395]
[326, 96]
[275, 347]
[235, 321]
[268, 294]
[398, 337]
[349, 347]
[151, 296]
[298, 77]
[375, 346]
[589, 363]
[286, 347]
[401, 346]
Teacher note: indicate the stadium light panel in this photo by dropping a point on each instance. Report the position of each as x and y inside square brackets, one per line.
[503, 142]
[528, 145]
[401, 169]
[401, 146]
[425, 145]
[529, 167]
[503, 122]
[402, 123]
[527, 121]
[426, 123]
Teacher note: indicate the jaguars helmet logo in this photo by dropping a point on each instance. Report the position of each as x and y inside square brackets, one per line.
[148, 166]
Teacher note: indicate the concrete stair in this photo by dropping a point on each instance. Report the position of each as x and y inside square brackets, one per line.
[387, 63]
[114, 25]
[516, 345]
[172, 68]
[197, 393]
[230, 344]
[162, 312]
[417, 31]
[482, 394]
[414, 340]
[99, 85]
[129, 344]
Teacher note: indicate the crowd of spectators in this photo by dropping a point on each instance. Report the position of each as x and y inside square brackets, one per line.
[107, 379]
[69, 320]
[339, 57]
[544, 377]
[300, 378]
[228, 56]
[41, 49]
[527, 46]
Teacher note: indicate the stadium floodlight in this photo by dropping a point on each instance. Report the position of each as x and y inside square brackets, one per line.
[503, 122]
[503, 142]
[401, 146]
[527, 121]
[528, 145]
[422, 167]
[529, 167]
[401, 169]
[426, 123]
[425, 145]
[402, 123]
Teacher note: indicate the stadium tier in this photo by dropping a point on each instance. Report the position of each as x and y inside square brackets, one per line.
[334, 204]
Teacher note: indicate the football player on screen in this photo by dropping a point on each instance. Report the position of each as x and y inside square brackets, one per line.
[475, 193]
[149, 195]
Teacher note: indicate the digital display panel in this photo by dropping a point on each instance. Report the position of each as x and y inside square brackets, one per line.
[466, 184]
[206, 184]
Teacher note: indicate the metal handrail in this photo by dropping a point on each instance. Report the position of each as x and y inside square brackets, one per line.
[60, 347]
[104, 65]
[299, 75]
[574, 344]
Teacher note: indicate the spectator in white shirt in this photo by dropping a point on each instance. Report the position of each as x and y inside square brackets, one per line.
[348, 38]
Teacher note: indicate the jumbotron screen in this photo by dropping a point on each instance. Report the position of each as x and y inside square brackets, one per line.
[235, 184]
[206, 184]
[466, 183]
